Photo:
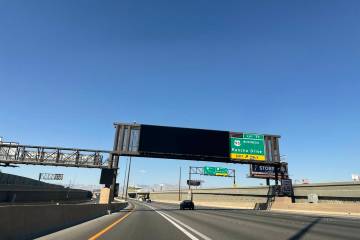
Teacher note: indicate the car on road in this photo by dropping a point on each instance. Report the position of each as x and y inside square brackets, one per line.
[187, 204]
[148, 200]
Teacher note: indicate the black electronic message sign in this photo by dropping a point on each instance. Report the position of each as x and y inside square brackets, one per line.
[106, 176]
[187, 143]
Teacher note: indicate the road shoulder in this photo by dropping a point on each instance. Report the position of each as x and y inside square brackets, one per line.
[87, 229]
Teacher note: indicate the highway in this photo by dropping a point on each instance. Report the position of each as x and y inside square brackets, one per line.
[165, 221]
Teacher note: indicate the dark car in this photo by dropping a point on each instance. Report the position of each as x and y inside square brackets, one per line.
[187, 204]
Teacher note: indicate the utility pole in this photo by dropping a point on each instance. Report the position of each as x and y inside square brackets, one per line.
[189, 177]
[234, 179]
[190, 190]
[128, 175]
[127, 183]
[180, 184]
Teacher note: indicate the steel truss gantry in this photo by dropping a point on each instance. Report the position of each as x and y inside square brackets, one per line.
[12, 153]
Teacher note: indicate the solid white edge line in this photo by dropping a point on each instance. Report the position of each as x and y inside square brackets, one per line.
[188, 227]
[181, 223]
[192, 237]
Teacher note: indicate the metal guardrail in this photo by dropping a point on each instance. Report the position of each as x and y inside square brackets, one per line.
[53, 156]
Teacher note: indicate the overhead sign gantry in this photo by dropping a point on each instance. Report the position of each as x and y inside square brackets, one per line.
[142, 140]
[196, 144]
[154, 142]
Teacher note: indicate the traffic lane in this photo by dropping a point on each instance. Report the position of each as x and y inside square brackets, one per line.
[348, 220]
[251, 224]
[338, 220]
[87, 229]
[144, 223]
[216, 227]
[324, 226]
[306, 226]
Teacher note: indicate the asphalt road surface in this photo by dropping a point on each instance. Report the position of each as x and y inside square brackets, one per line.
[160, 221]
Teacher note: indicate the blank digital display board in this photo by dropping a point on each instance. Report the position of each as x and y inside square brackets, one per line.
[186, 143]
[106, 176]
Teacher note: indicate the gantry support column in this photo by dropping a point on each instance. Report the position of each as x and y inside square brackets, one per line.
[115, 162]
[107, 193]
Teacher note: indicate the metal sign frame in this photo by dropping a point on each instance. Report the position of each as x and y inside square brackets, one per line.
[200, 171]
[128, 137]
[287, 187]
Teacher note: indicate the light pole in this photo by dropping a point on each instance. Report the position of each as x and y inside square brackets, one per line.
[126, 168]
[190, 189]
[127, 183]
[128, 176]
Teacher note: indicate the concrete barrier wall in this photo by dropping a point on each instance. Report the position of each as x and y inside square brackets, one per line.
[327, 192]
[19, 180]
[18, 189]
[208, 197]
[23, 194]
[28, 222]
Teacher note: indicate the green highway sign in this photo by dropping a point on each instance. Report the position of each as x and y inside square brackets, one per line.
[216, 171]
[253, 136]
[249, 147]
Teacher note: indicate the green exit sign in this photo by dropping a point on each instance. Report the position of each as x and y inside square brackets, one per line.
[216, 171]
[249, 147]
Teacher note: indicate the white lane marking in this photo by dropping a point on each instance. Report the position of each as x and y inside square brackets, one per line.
[188, 227]
[179, 222]
[192, 237]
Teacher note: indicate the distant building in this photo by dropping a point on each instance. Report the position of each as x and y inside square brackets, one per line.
[355, 177]
[305, 181]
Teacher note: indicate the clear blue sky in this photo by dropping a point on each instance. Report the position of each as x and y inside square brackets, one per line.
[69, 69]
